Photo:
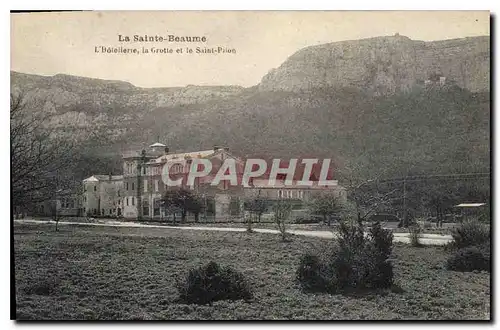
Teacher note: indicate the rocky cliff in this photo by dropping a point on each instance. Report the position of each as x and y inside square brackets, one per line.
[385, 65]
[354, 101]
[110, 109]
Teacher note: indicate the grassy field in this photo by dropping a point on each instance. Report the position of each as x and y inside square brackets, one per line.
[130, 273]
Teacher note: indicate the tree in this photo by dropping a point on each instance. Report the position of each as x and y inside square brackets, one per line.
[39, 155]
[282, 211]
[255, 206]
[367, 195]
[183, 200]
[326, 205]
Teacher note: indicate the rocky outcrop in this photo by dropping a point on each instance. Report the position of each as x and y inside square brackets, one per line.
[61, 92]
[110, 106]
[384, 65]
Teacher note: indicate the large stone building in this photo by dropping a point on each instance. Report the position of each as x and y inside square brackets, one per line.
[137, 194]
[144, 187]
[102, 195]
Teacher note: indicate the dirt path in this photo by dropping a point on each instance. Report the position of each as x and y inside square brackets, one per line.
[427, 239]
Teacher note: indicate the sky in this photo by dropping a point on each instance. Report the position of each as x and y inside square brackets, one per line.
[53, 43]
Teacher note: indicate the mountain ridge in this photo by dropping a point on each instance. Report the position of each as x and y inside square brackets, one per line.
[366, 120]
[384, 65]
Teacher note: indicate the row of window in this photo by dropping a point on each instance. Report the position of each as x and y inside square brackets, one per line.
[85, 188]
[290, 194]
[132, 201]
[103, 211]
[127, 186]
[146, 184]
[67, 203]
[131, 169]
[145, 211]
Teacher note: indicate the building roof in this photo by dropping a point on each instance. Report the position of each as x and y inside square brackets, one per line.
[470, 205]
[101, 177]
[186, 155]
[157, 144]
[299, 171]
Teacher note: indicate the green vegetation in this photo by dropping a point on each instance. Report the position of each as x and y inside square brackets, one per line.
[131, 273]
[415, 234]
[470, 233]
[212, 283]
[358, 262]
[470, 248]
[184, 201]
[327, 206]
[282, 210]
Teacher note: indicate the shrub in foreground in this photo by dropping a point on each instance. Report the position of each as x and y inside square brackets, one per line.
[358, 262]
[212, 283]
[313, 275]
[470, 233]
[470, 248]
[470, 258]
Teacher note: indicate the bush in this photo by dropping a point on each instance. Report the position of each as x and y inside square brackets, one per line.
[415, 234]
[307, 220]
[470, 233]
[212, 283]
[358, 262]
[470, 258]
[313, 275]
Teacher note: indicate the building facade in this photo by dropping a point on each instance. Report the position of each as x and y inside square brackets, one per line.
[143, 185]
[138, 193]
[102, 196]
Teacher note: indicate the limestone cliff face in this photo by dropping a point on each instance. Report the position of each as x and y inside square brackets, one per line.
[64, 90]
[384, 65]
[74, 101]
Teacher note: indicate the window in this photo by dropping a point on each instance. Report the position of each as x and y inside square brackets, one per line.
[126, 185]
[145, 185]
[95, 188]
[176, 168]
[103, 213]
[143, 170]
[133, 186]
[280, 194]
[126, 201]
[156, 185]
[133, 201]
[110, 211]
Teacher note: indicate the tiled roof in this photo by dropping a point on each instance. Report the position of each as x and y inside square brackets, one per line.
[299, 171]
[184, 155]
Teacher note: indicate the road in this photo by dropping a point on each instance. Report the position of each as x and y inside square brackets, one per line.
[426, 239]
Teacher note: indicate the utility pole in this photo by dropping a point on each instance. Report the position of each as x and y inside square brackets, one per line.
[405, 218]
